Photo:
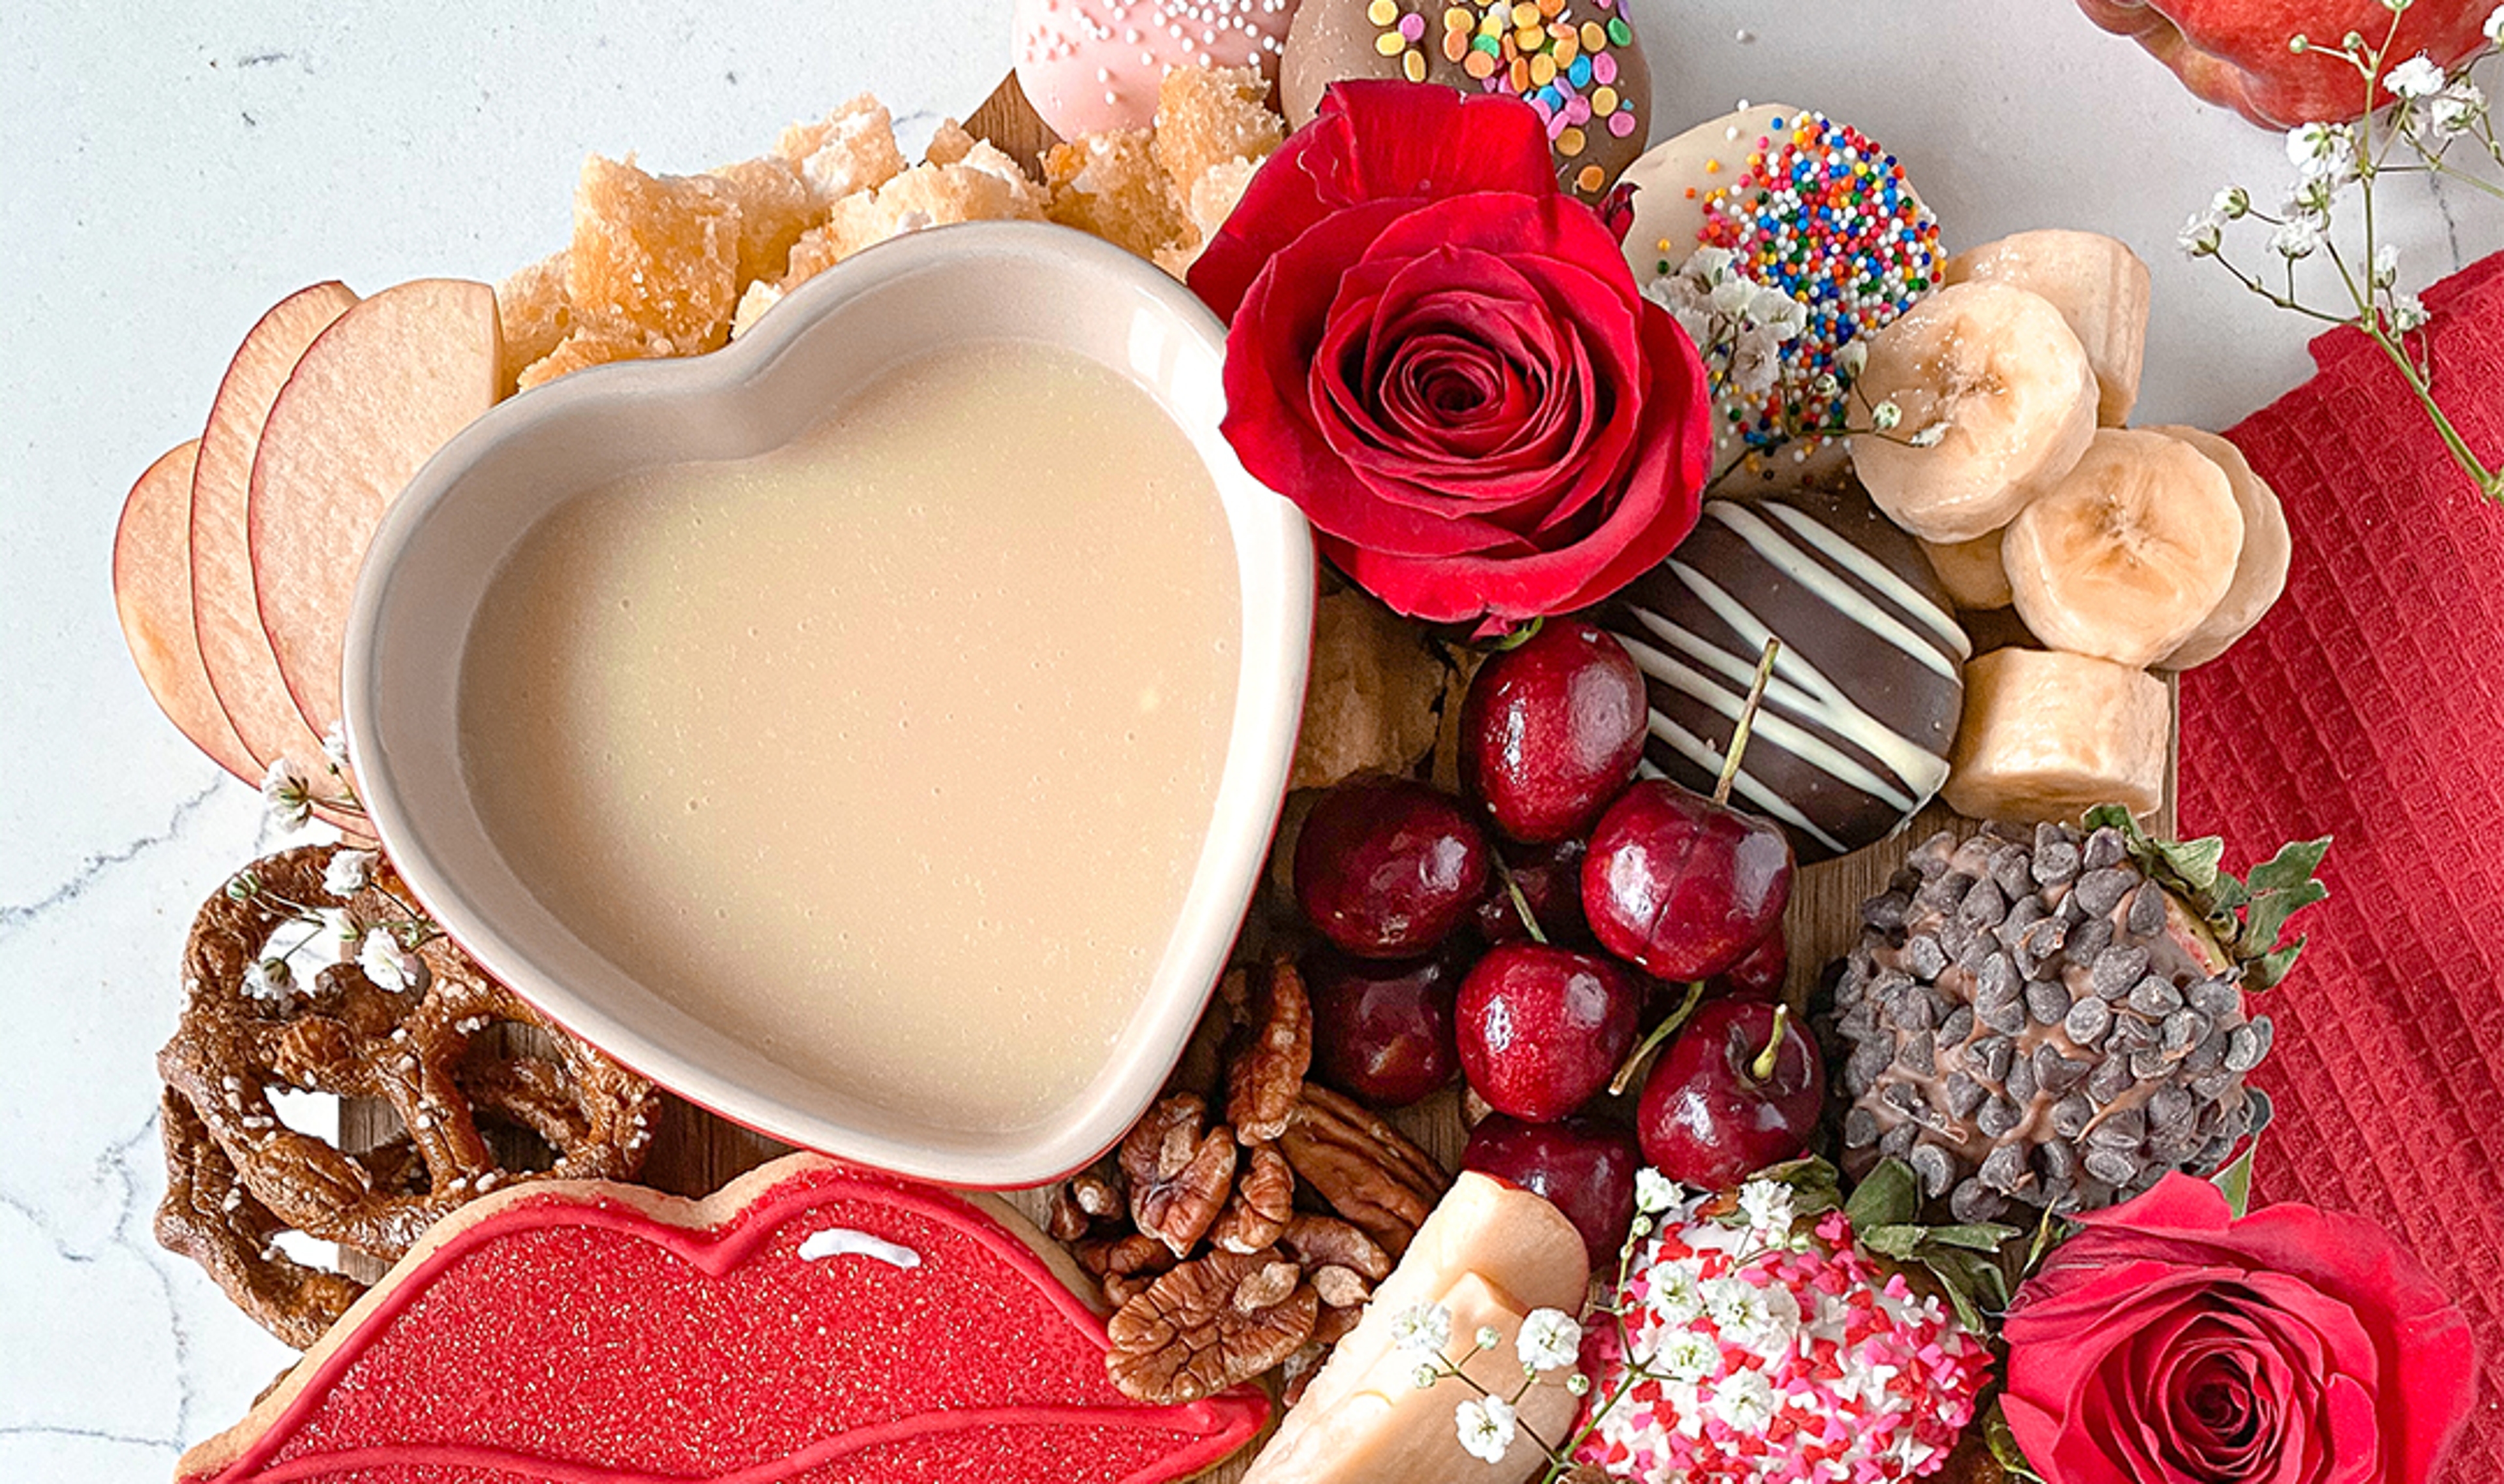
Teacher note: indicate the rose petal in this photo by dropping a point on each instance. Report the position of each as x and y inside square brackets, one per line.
[1370, 140]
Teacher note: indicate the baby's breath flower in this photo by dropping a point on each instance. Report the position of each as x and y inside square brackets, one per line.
[287, 793]
[2495, 27]
[348, 873]
[2455, 109]
[1687, 1355]
[2386, 265]
[1489, 1336]
[2232, 203]
[1767, 1205]
[2296, 237]
[2323, 151]
[1930, 437]
[1852, 358]
[1424, 1377]
[1485, 1426]
[1654, 1190]
[1549, 1340]
[267, 978]
[1426, 1330]
[1745, 1400]
[388, 963]
[2202, 235]
[1578, 1385]
[2417, 77]
[2408, 313]
[1885, 416]
[1711, 265]
[334, 745]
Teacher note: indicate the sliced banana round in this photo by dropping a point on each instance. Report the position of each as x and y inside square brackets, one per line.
[2260, 570]
[2128, 555]
[1994, 399]
[2099, 285]
[2047, 735]
[1970, 572]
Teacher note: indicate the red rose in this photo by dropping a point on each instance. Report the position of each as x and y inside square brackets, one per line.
[2171, 1343]
[1445, 364]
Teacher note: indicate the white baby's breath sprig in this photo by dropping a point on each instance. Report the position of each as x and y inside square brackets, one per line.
[2202, 235]
[1654, 1192]
[1549, 1340]
[334, 745]
[1769, 1208]
[348, 873]
[2415, 78]
[289, 795]
[2494, 30]
[1424, 1330]
[1485, 1426]
[389, 962]
[268, 979]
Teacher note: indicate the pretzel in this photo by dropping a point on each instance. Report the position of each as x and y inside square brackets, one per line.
[237, 1175]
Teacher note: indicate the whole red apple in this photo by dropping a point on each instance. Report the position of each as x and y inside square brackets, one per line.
[2235, 52]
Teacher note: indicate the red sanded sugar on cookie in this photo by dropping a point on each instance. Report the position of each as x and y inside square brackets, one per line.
[2369, 706]
[589, 1342]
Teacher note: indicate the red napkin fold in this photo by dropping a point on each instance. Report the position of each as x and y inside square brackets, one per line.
[2369, 706]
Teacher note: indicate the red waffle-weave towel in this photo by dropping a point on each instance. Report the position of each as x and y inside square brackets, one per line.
[2369, 706]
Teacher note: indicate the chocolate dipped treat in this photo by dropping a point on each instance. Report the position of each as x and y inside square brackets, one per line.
[1578, 61]
[1854, 734]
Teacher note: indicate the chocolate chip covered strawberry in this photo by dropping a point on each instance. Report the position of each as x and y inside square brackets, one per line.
[2057, 1019]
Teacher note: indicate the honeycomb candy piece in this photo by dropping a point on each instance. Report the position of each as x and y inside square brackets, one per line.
[775, 207]
[923, 196]
[592, 343]
[659, 254]
[1206, 116]
[753, 304]
[852, 148]
[535, 315]
[1211, 199]
[1110, 186]
[950, 144]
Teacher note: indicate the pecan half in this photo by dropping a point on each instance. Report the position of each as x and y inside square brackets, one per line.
[1179, 1175]
[1363, 1167]
[1337, 1323]
[1342, 1289]
[1266, 1073]
[1260, 1207]
[1325, 1241]
[1123, 1257]
[1209, 1324]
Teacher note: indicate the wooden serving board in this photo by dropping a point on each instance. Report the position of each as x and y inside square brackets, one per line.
[694, 1153]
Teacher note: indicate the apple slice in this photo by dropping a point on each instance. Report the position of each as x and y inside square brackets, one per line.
[373, 399]
[225, 615]
[152, 591]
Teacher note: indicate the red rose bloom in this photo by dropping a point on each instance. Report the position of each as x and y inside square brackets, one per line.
[2171, 1343]
[1445, 364]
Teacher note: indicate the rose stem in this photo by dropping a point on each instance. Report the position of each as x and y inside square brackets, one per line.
[1747, 722]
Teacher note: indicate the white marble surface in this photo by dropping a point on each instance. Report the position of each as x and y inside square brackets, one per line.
[167, 171]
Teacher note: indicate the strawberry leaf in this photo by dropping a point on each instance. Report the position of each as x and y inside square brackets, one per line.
[2247, 918]
[2236, 1179]
[1889, 1196]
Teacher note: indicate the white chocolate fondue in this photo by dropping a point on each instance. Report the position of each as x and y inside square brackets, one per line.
[890, 752]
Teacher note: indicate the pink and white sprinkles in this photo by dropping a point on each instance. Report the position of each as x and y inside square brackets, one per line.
[1800, 1364]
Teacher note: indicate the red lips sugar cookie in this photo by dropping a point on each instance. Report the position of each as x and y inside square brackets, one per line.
[806, 1323]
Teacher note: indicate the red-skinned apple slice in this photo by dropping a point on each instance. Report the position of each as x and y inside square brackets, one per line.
[242, 671]
[152, 591]
[2235, 52]
[373, 399]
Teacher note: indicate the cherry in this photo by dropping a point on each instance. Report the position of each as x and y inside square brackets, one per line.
[1382, 1030]
[1387, 867]
[1550, 729]
[1759, 973]
[1586, 1169]
[1680, 885]
[1550, 879]
[1542, 1028]
[1739, 1089]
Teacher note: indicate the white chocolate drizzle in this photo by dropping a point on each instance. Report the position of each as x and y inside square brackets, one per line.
[847, 1242]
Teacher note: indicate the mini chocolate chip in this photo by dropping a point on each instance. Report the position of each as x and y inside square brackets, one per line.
[1918, 1054]
[2099, 892]
[2056, 1161]
[2267, 1030]
[2047, 1000]
[1886, 912]
[2103, 848]
[1996, 984]
[1869, 1058]
[2109, 1080]
[2215, 1086]
[1962, 1094]
[2132, 1032]
[2214, 996]
[2055, 1073]
[1925, 958]
[2056, 864]
[2019, 1084]
[1942, 892]
[1857, 1024]
[1860, 1129]
[2242, 1048]
[2173, 1111]
[2155, 998]
[1936, 1166]
[1918, 1010]
[1984, 905]
[2088, 939]
[2009, 872]
[2087, 1020]
[2147, 911]
[2116, 969]
[2112, 1166]
[1931, 856]
[2181, 1031]
[2148, 1065]
[1903, 1096]
[2004, 1169]
[2072, 1114]
[2007, 1020]
[1992, 1055]
[1897, 1142]
[1970, 1202]
[2211, 1153]
[1957, 1027]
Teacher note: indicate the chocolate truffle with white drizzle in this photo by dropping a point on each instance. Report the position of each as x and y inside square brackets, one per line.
[1854, 735]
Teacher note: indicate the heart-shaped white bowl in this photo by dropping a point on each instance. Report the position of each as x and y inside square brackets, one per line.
[432, 561]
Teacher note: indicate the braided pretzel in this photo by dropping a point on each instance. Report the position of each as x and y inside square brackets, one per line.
[237, 1174]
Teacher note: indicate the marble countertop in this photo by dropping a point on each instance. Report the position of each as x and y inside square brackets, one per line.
[171, 170]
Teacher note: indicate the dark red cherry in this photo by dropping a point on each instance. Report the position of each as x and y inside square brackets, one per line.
[1387, 867]
[1683, 886]
[1585, 1167]
[1542, 1028]
[1550, 879]
[1382, 1028]
[1759, 973]
[1551, 730]
[1709, 1117]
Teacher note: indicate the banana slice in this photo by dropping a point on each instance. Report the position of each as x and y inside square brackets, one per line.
[2130, 553]
[1998, 380]
[2260, 572]
[2099, 285]
[1970, 572]
[2047, 735]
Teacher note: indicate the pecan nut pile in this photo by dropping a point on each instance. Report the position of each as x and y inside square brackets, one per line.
[1233, 1246]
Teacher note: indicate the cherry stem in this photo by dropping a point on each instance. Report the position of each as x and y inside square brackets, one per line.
[1633, 1064]
[1747, 722]
[1515, 639]
[1762, 1068]
[1520, 903]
